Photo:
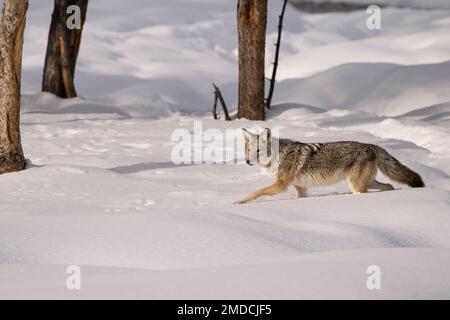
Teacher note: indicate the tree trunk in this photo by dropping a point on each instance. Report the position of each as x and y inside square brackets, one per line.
[11, 43]
[252, 22]
[62, 50]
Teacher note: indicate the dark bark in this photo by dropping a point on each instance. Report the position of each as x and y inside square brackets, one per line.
[62, 50]
[277, 56]
[252, 23]
[11, 44]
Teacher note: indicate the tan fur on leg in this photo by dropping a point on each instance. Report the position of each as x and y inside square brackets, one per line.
[271, 190]
[381, 186]
[361, 176]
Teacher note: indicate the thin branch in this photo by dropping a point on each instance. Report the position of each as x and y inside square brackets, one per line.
[216, 99]
[277, 56]
[219, 97]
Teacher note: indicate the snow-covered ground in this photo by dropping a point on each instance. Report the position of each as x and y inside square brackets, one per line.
[424, 4]
[103, 193]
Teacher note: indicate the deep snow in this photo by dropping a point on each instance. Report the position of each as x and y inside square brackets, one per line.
[418, 4]
[102, 191]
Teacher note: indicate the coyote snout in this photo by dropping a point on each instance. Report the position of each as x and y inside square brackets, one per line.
[304, 165]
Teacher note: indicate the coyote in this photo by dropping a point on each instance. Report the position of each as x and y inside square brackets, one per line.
[304, 165]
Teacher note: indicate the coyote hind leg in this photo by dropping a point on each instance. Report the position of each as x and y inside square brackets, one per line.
[361, 176]
[381, 186]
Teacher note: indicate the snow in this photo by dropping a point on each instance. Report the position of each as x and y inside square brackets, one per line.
[303, 277]
[102, 191]
[420, 4]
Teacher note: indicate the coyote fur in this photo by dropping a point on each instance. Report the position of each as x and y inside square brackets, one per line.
[304, 165]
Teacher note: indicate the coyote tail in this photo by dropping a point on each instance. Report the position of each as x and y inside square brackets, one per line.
[395, 170]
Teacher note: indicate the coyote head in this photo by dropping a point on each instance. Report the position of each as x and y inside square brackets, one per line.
[258, 147]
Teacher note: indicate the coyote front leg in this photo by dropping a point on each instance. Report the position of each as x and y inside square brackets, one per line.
[271, 190]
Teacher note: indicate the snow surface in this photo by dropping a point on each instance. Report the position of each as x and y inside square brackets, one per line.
[102, 191]
[425, 4]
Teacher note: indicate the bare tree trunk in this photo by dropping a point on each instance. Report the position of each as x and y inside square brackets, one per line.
[252, 22]
[62, 50]
[11, 43]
